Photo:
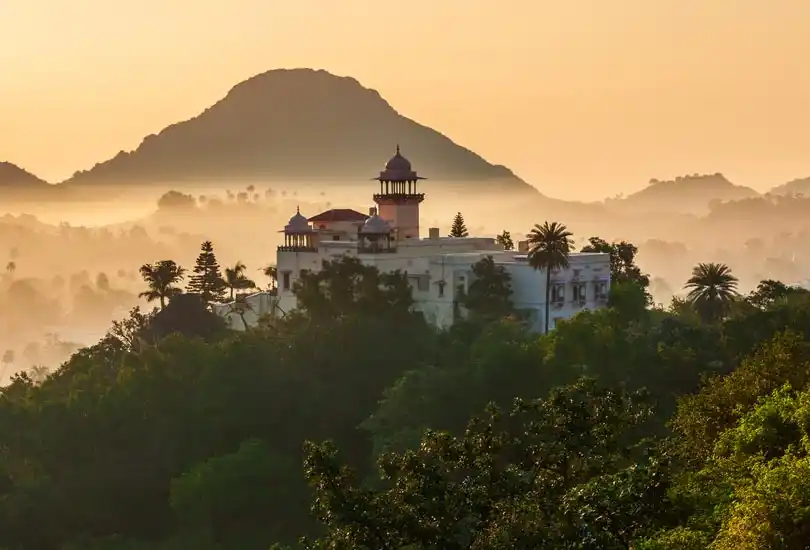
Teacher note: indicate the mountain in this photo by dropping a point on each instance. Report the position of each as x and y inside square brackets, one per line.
[684, 194]
[12, 176]
[799, 186]
[296, 124]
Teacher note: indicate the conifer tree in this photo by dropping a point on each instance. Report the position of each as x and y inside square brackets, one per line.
[505, 240]
[207, 280]
[459, 229]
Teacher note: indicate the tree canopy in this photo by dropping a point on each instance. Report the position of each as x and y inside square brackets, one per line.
[355, 424]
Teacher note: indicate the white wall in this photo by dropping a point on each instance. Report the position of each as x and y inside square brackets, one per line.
[259, 305]
[430, 261]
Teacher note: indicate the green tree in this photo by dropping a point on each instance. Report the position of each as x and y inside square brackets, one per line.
[770, 293]
[623, 268]
[459, 229]
[549, 249]
[505, 240]
[236, 280]
[539, 477]
[161, 279]
[490, 292]
[230, 497]
[207, 280]
[712, 289]
[347, 286]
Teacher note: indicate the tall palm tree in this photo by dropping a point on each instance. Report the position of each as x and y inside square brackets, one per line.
[160, 279]
[550, 246]
[235, 279]
[713, 288]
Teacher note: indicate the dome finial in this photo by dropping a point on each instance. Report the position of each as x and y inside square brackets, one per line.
[397, 148]
[298, 209]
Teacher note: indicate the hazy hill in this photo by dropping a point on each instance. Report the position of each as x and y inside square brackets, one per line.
[799, 186]
[688, 194]
[295, 124]
[12, 176]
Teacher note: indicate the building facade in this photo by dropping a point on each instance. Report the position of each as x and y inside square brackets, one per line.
[389, 238]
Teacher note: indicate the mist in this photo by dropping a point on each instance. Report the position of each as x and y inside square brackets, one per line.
[71, 267]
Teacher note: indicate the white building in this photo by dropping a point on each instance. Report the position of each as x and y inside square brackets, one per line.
[389, 238]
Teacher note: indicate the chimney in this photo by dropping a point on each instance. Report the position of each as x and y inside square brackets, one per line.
[372, 211]
[433, 233]
[523, 247]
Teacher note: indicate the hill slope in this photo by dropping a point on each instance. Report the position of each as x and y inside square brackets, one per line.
[799, 186]
[295, 124]
[12, 176]
[687, 194]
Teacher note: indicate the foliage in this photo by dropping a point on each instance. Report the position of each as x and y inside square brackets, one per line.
[236, 280]
[505, 240]
[623, 269]
[161, 279]
[712, 289]
[207, 280]
[459, 229]
[175, 200]
[173, 432]
[623, 266]
[536, 478]
[490, 292]
[347, 286]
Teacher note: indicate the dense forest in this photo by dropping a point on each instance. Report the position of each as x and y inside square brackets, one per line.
[353, 424]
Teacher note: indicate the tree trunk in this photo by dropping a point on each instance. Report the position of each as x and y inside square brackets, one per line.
[162, 301]
[548, 296]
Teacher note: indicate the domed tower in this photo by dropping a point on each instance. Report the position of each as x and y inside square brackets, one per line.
[398, 199]
[298, 235]
[375, 235]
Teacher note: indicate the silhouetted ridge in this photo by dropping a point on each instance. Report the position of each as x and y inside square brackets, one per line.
[298, 123]
[12, 175]
[687, 193]
[798, 186]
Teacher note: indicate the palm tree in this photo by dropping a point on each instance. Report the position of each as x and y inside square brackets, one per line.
[161, 278]
[271, 272]
[235, 278]
[549, 248]
[713, 288]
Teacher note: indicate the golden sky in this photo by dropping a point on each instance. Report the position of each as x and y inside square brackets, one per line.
[582, 98]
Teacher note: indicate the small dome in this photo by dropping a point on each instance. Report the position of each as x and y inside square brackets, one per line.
[398, 163]
[375, 225]
[297, 224]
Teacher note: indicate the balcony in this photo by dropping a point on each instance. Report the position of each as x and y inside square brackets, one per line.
[414, 197]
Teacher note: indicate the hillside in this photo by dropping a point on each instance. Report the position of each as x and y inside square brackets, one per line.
[687, 194]
[12, 176]
[296, 124]
[799, 186]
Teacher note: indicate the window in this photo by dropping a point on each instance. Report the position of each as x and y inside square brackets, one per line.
[558, 293]
[600, 290]
[285, 280]
[335, 237]
[423, 283]
[579, 292]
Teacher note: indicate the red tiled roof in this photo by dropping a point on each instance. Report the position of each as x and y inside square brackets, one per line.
[339, 215]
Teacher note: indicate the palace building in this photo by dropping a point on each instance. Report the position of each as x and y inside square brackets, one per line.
[389, 238]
